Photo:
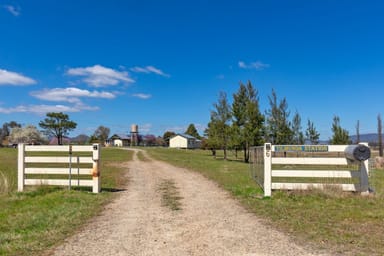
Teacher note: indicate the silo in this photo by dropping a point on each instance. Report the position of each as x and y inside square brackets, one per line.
[134, 135]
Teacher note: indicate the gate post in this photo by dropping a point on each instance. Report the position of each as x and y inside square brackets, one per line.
[267, 169]
[20, 167]
[96, 188]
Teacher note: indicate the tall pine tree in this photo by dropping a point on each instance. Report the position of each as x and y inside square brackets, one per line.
[247, 125]
[218, 130]
[340, 135]
[311, 133]
[298, 136]
[278, 127]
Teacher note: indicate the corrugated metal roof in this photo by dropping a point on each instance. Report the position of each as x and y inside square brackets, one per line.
[121, 136]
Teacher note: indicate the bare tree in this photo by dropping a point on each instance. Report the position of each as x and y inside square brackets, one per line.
[102, 134]
[358, 132]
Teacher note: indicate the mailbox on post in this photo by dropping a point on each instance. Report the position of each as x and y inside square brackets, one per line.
[357, 152]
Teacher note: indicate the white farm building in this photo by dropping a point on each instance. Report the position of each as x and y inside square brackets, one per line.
[119, 140]
[184, 141]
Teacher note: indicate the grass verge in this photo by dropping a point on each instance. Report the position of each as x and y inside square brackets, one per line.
[34, 221]
[343, 223]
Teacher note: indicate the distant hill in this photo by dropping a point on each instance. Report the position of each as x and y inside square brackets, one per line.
[80, 139]
[368, 137]
[372, 138]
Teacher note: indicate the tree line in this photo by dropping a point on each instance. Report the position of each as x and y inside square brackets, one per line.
[242, 124]
[55, 125]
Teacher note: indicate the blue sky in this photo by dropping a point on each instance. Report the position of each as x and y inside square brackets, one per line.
[162, 64]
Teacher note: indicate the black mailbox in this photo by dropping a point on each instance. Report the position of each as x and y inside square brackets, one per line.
[357, 152]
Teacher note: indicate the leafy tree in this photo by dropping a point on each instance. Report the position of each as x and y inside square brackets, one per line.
[247, 125]
[298, 136]
[93, 139]
[380, 134]
[212, 139]
[218, 130]
[167, 135]
[311, 134]
[277, 122]
[6, 130]
[29, 134]
[149, 140]
[340, 135]
[102, 133]
[160, 141]
[57, 125]
[191, 130]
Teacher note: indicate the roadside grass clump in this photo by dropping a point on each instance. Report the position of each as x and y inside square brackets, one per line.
[43, 216]
[170, 195]
[8, 170]
[340, 223]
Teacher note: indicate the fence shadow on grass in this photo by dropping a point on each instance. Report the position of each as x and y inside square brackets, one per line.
[113, 190]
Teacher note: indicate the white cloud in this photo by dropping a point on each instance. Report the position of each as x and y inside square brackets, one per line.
[70, 94]
[13, 78]
[42, 109]
[142, 96]
[99, 76]
[258, 65]
[148, 70]
[14, 10]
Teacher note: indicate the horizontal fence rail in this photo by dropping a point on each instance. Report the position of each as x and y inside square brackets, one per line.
[59, 166]
[302, 167]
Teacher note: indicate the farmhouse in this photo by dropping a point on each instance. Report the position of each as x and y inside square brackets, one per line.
[184, 141]
[119, 140]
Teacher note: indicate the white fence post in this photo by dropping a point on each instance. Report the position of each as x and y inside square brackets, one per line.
[267, 169]
[95, 169]
[20, 167]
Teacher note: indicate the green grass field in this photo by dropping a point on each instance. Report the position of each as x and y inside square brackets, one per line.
[345, 223]
[33, 221]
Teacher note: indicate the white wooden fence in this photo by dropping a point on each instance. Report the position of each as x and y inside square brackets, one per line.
[67, 165]
[264, 170]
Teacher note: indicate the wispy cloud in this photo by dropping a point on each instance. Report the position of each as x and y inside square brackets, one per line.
[148, 70]
[70, 94]
[99, 76]
[42, 109]
[14, 10]
[258, 65]
[142, 96]
[145, 128]
[13, 78]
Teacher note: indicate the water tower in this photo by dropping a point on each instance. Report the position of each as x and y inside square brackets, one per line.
[134, 135]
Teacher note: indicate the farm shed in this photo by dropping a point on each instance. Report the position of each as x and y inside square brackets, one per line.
[184, 141]
[119, 140]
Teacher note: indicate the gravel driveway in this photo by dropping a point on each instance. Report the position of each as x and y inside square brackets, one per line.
[210, 222]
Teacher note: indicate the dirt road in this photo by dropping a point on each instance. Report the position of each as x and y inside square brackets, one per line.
[210, 222]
